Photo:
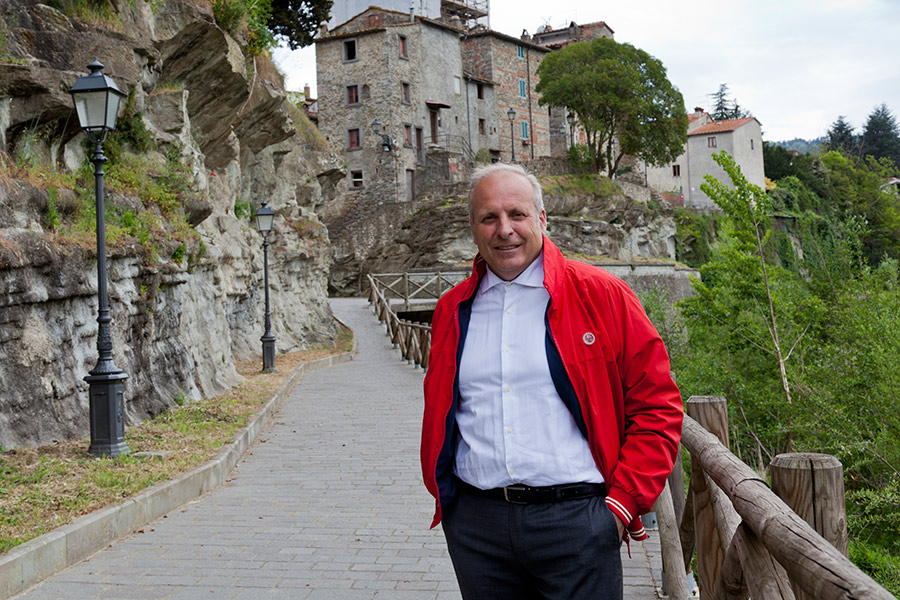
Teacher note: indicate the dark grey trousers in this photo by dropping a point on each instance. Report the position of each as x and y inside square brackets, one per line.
[557, 551]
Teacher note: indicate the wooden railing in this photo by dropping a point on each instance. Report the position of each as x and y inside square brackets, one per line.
[749, 541]
[414, 286]
[412, 339]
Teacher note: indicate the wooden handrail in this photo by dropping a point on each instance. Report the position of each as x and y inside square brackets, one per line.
[752, 526]
[417, 286]
[412, 339]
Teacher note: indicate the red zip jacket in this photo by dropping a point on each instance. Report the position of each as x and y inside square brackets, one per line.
[609, 366]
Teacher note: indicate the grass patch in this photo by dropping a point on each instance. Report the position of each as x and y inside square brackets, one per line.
[581, 183]
[47, 487]
[305, 128]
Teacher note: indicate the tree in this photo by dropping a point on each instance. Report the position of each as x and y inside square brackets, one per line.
[617, 93]
[748, 206]
[841, 137]
[296, 21]
[880, 137]
[724, 108]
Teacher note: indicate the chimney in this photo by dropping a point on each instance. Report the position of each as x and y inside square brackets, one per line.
[306, 91]
[698, 112]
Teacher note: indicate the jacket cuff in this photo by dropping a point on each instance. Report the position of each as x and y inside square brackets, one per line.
[636, 530]
[622, 505]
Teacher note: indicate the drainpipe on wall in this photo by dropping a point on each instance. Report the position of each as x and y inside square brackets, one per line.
[528, 78]
[468, 112]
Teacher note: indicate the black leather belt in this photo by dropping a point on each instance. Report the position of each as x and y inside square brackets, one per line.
[525, 494]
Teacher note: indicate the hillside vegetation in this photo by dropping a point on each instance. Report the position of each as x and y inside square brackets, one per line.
[796, 323]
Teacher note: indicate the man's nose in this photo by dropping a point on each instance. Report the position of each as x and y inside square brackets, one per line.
[504, 228]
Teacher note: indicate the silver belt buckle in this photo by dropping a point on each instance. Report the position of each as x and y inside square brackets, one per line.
[514, 488]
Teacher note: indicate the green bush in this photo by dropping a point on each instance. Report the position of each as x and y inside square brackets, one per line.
[581, 157]
[881, 566]
[483, 155]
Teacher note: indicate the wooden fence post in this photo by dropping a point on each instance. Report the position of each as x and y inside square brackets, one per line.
[813, 486]
[712, 413]
[673, 565]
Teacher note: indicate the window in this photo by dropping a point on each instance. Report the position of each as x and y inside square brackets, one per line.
[676, 170]
[352, 94]
[401, 44]
[520, 51]
[751, 144]
[479, 91]
[405, 93]
[349, 50]
[407, 135]
[353, 138]
[524, 130]
[457, 84]
[711, 142]
[481, 126]
[523, 88]
[356, 179]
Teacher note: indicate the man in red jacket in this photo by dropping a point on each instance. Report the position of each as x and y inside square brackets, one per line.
[551, 421]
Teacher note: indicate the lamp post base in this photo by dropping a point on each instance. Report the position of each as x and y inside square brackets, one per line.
[268, 352]
[107, 398]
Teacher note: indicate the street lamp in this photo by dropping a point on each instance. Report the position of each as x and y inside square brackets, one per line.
[96, 98]
[264, 219]
[571, 119]
[512, 136]
[387, 144]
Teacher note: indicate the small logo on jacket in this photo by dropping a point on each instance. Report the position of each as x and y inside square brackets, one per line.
[588, 338]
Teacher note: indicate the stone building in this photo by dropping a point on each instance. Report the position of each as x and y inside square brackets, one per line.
[680, 180]
[509, 66]
[555, 39]
[410, 101]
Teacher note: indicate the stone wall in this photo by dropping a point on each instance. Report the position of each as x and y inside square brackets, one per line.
[177, 325]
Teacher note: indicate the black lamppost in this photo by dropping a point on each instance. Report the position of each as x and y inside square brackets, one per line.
[571, 119]
[264, 219]
[96, 99]
[512, 137]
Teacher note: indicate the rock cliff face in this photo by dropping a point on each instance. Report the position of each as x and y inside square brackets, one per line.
[602, 224]
[178, 323]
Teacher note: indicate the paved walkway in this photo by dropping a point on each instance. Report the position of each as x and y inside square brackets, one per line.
[326, 505]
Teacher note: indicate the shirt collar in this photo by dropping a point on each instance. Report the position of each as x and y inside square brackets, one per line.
[532, 276]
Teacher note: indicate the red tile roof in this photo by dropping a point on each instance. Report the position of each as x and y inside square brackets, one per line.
[722, 126]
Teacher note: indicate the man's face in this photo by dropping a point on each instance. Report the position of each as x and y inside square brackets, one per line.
[506, 227]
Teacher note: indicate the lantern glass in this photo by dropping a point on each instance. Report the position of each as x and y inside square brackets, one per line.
[97, 110]
[97, 99]
[264, 219]
[511, 114]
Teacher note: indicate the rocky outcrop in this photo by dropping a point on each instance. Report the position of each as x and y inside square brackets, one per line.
[178, 323]
[599, 224]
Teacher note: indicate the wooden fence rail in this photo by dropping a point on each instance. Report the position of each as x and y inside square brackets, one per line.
[413, 339]
[749, 542]
[415, 286]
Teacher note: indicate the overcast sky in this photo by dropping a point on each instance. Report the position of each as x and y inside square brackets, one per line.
[795, 64]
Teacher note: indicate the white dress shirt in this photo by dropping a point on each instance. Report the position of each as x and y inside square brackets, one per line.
[513, 426]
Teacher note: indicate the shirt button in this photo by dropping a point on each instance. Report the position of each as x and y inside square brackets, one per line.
[512, 471]
[506, 349]
[509, 285]
[509, 430]
[507, 389]
[509, 311]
